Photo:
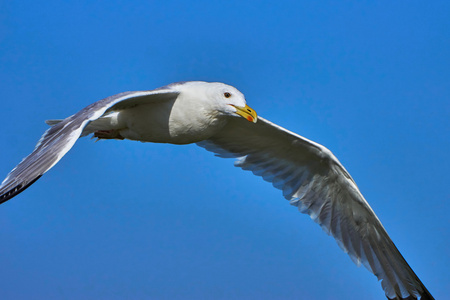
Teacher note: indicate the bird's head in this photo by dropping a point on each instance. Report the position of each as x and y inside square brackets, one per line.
[232, 102]
[216, 97]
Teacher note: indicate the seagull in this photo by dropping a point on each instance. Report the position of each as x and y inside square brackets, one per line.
[216, 117]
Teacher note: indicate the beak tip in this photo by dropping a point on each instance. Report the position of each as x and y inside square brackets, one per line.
[247, 113]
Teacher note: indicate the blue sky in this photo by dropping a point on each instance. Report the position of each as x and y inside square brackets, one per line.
[126, 220]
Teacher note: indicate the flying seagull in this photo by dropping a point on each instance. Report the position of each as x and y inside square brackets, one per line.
[216, 117]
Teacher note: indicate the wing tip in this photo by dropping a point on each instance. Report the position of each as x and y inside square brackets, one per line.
[426, 295]
[11, 193]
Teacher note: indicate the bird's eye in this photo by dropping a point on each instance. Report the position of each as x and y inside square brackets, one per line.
[227, 95]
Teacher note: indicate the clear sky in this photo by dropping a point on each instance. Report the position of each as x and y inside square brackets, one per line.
[370, 80]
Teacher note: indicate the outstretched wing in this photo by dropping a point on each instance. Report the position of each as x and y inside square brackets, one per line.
[312, 179]
[57, 140]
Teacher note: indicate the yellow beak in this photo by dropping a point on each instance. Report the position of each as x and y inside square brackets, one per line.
[247, 113]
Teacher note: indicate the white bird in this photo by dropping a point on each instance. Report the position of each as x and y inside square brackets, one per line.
[216, 117]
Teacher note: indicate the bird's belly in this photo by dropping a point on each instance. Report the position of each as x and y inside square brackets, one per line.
[160, 124]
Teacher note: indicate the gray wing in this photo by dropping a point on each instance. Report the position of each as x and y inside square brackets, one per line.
[57, 140]
[312, 179]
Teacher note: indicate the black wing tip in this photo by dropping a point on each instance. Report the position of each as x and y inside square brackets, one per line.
[11, 193]
[425, 295]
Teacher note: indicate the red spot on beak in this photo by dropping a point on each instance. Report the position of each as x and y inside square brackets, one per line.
[250, 118]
